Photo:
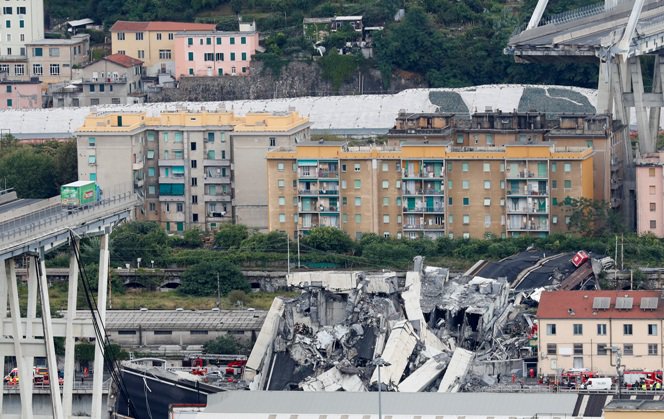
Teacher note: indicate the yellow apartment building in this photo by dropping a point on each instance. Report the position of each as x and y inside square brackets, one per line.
[193, 169]
[426, 189]
[634, 409]
[152, 42]
[585, 329]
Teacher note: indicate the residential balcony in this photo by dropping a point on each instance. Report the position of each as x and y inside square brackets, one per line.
[171, 179]
[315, 192]
[218, 216]
[138, 183]
[527, 210]
[217, 180]
[411, 227]
[171, 198]
[215, 162]
[327, 174]
[526, 192]
[432, 210]
[423, 192]
[525, 174]
[423, 175]
[137, 165]
[217, 198]
[171, 162]
[528, 226]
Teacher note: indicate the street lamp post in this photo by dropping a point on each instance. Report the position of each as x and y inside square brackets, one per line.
[380, 362]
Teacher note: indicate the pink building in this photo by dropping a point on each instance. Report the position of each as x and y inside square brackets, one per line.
[20, 94]
[214, 53]
[650, 194]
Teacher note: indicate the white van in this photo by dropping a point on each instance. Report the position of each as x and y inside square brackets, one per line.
[598, 383]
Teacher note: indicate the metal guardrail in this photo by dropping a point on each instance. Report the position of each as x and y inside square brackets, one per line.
[580, 13]
[78, 387]
[55, 218]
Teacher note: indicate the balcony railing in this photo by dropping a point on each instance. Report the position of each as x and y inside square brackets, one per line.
[423, 192]
[424, 227]
[423, 175]
[318, 192]
[528, 226]
[524, 192]
[424, 209]
[526, 210]
[525, 174]
[328, 174]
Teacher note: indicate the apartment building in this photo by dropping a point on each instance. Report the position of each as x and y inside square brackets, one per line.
[23, 22]
[112, 80]
[215, 53]
[20, 94]
[497, 128]
[584, 329]
[428, 190]
[152, 42]
[53, 60]
[194, 169]
[650, 194]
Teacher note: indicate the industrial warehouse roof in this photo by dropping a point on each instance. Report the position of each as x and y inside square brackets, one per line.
[183, 320]
[601, 305]
[358, 114]
[402, 404]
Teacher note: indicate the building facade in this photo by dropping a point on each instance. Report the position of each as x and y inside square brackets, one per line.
[426, 190]
[194, 169]
[151, 42]
[585, 329]
[650, 194]
[53, 60]
[214, 53]
[23, 22]
[20, 94]
[113, 80]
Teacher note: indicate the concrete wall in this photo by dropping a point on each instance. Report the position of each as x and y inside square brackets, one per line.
[195, 336]
[41, 406]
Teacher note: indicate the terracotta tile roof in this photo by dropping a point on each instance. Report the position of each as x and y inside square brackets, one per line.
[123, 60]
[560, 305]
[128, 26]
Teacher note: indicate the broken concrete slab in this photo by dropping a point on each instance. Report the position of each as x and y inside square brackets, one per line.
[456, 371]
[399, 347]
[422, 377]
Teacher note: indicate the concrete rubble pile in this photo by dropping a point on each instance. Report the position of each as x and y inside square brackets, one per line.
[433, 333]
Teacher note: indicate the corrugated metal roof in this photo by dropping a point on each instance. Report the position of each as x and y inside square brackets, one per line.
[294, 402]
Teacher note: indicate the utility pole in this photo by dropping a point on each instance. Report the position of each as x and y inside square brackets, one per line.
[288, 254]
[298, 248]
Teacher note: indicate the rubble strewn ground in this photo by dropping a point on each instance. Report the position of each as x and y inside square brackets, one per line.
[434, 333]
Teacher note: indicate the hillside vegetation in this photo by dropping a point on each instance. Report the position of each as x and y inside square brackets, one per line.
[442, 43]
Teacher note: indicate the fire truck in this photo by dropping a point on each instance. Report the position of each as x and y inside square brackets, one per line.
[576, 377]
[636, 379]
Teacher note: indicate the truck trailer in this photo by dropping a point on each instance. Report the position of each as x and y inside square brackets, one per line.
[79, 194]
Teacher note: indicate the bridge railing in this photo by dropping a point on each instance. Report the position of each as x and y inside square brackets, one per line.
[580, 13]
[56, 218]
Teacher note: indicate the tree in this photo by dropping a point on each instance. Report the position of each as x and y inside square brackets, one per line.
[274, 241]
[191, 239]
[230, 236]
[328, 239]
[201, 279]
[225, 344]
[30, 173]
[139, 239]
[591, 217]
[238, 297]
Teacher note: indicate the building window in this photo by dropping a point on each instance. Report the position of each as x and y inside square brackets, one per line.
[653, 207]
[10, 103]
[19, 69]
[651, 189]
[567, 167]
[466, 219]
[487, 221]
[164, 54]
[190, 56]
[627, 329]
[233, 57]
[139, 36]
[280, 183]
[141, 53]
[280, 167]
[466, 201]
[7, 11]
[208, 56]
[92, 142]
[92, 159]
[465, 184]
[151, 171]
[219, 56]
[232, 40]
[385, 167]
[487, 184]
[357, 167]
[37, 70]
[486, 166]
[194, 164]
[273, 142]
[358, 183]
[386, 219]
[9, 88]
[487, 202]
[121, 36]
[152, 190]
[628, 349]
[577, 329]
[126, 332]
[358, 218]
[554, 167]
[194, 199]
[601, 349]
[554, 184]
[464, 167]
[568, 184]
[386, 201]
[121, 52]
[551, 349]
[343, 184]
[54, 52]
[653, 224]
[652, 329]
[54, 69]
[358, 201]
[652, 349]
[578, 349]
[282, 218]
[386, 184]
[163, 332]
[194, 181]
[551, 329]
[282, 201]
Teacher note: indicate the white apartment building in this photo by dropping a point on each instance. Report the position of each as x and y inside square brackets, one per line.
[22, 22]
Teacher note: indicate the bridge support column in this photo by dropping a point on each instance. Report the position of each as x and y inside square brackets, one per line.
[32, 282]
[48, 339]
[70, 375]
[646, 139]
[102, 293]
[655, 112]
[8, 276]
